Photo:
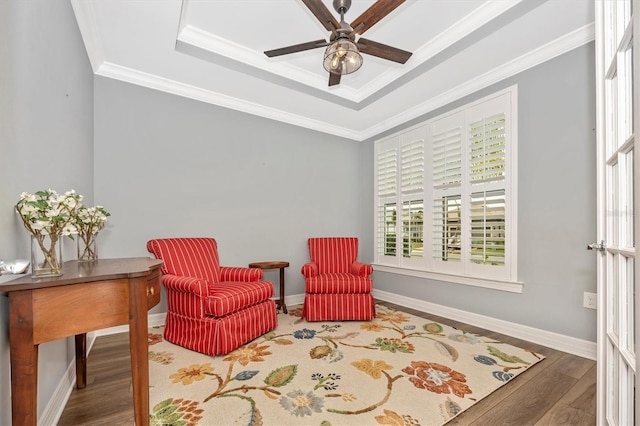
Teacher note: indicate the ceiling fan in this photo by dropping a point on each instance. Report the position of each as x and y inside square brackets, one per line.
[343, 52]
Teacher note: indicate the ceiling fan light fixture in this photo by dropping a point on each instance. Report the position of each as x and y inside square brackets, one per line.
[342, 57]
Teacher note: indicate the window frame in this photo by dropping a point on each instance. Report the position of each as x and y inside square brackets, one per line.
[463, 271]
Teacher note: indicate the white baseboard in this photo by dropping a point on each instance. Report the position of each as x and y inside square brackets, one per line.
[153, 320]
[572, 345]
[294, 300]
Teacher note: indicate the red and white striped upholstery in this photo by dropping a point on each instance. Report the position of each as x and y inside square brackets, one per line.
[211, 309]
[338, 287]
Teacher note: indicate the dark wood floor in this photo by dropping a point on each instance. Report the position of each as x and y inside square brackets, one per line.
[561, 390]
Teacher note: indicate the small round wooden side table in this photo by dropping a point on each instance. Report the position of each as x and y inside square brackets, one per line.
[275, 264]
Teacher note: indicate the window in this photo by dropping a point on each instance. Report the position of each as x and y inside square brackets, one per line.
[445, 193]
[400, 187]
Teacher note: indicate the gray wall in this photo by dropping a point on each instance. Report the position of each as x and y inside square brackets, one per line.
[557, 204]
[169, 166]
[46, 132]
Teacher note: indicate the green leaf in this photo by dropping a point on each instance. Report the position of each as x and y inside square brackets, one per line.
[162, 404]
[281, 376]
[433, 328]
[166, 410]
[173, 419]
[504, 357]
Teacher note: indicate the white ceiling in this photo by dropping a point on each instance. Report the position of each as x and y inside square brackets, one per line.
[212, 51]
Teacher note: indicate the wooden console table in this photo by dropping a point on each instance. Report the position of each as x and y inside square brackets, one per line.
[88, 296]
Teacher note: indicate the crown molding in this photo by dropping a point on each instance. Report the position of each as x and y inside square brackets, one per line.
[529, 60]
[537, 56]
[166, 85]
[83, 10]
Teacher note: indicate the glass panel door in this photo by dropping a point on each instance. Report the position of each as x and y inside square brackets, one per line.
[615, 75]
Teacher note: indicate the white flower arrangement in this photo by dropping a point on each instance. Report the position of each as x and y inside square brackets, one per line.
[48, 216]
[89, 221]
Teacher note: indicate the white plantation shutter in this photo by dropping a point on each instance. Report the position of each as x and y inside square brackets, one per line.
[387, 221]
[412, 178]
[487, 177]
[387, 166]
[386, 191]
[412, 168]
[487, 213]
[447, 228]
[412, 228]
[455, 174]
[412, 173]
[447, 171]
[487, 149]
[447, 157]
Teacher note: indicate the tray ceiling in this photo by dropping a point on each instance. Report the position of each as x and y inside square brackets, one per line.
[212, 51]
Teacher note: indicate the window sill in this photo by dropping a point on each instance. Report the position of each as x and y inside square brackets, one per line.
[510, 286]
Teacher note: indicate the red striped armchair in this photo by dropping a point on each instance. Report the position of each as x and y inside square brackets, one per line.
[211, 309]
[338, 287]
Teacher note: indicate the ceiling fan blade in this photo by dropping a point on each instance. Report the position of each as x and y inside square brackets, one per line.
[383, 51]
[379, 10]
[323, 14]
[334, 79]
[296, 48]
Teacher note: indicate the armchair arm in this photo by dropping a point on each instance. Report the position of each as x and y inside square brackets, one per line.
[309, 269]
[181, 284]
[361, 269]
[185, 295]
[238, 273]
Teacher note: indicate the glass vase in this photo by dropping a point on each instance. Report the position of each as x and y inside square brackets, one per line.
[87, 248]
[46, 256]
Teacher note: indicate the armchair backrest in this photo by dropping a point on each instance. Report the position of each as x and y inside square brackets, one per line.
[333, 254]
[188, 257]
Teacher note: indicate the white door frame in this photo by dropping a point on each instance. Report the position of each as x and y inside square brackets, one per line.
[617, 223]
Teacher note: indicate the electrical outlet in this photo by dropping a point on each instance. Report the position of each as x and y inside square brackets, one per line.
[590, 300]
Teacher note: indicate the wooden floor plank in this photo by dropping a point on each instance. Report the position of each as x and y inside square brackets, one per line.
[563, 415]
[108, 397]
[577, 405]
[527, 404]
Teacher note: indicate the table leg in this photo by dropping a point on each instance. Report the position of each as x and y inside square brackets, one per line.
[139, 347]
[282, 304]
[24, 359]
[81, 360]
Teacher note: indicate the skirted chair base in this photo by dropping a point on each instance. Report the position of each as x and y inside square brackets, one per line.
[338, 307]
[220, 335]
[337, 286]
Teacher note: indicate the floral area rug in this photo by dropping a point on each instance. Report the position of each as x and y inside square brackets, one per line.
[398, 369]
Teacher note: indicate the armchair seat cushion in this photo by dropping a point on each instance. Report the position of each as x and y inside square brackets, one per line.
[338, 283]
[229, 296]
